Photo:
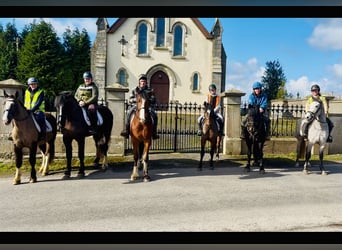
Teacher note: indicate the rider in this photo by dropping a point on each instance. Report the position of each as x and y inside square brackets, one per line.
[35, 101]
[212, 98]
[258, 97]
[87, 95]
[132, 99]
[316, 96]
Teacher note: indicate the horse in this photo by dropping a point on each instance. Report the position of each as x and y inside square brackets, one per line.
[210, 133]
[76, 127]
[141, 128]
[255, 136]
[318, 132]
[25, 135]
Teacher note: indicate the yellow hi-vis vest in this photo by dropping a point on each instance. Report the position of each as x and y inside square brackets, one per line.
[29, 104]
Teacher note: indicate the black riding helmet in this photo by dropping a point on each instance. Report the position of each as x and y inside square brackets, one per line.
[212, 86]
[315, 87]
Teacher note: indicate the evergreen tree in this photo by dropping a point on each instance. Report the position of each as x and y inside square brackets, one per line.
[42, 56]
[9, 45]
[274, 80]
[77, 48]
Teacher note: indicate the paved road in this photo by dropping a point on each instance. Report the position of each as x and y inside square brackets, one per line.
[179, 198]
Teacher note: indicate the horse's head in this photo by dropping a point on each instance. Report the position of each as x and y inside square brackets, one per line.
[254, 120]
[313, 111]
[11, 107]
[208, 110]
[143, 104]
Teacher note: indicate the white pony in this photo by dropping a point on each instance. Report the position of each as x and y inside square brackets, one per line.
[318, 132]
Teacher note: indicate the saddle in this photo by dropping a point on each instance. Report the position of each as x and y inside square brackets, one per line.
[48, 125]
[87, 120]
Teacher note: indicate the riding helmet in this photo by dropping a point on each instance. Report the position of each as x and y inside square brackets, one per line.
[142, 76]
[257, 85]
[315, 87]
[32, 80]
[87, 74]
[212, 86]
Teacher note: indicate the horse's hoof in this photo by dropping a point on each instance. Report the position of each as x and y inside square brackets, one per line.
[16, 182]
[33, 180]
[80, 175]
[147, 178]
[305, 171]
[66, 177]
[246, 170]
[324, 173]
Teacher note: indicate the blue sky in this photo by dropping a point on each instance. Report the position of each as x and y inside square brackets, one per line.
[308, 49]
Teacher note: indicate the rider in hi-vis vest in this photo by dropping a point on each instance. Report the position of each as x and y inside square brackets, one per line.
[316, 95]
[35, 101]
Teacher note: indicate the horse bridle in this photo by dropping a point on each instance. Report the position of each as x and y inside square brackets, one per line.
[14, 103]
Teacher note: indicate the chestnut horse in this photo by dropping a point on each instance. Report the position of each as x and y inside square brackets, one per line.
[255, 135]
[25, 135]
[141, 135]
[76, 128]
[210, 133]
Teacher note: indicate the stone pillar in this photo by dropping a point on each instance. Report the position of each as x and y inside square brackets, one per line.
[11, 86]
[116, 103]
[232, 144]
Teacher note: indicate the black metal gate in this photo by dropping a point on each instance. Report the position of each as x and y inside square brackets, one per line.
[177, 128]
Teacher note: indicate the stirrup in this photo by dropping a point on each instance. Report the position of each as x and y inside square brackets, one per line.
[199, 132]
[329, 139]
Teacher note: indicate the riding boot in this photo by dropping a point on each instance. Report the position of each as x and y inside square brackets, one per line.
[93, 122]
[199, 131]
[155, 123]
[42, 134]
[330, 125]
[221, 133]
[242, 134]
[125, 131]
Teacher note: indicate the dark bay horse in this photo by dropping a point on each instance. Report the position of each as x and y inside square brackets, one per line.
[210, 133]
[76, 128]
[255, 136]
[25, 135]
[141, 135]
[318, 132]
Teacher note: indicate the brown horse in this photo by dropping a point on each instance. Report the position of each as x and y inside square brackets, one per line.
[210, 133]
[76, 128]
[141, 135]
[25, 135]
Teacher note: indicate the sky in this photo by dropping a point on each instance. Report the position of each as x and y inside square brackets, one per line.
[309, 50]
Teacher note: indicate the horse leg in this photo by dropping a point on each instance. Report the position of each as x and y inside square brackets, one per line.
[307, 158]
[44, 149]
[147, 178]
[18, 163]
[249, 156]
[68, 150]
[299, 149]
[200, 166]
[135, 172]
[321, 153]
[212, 151]
[218, 143]
[32, 160]
[261, 159]
[81, 145]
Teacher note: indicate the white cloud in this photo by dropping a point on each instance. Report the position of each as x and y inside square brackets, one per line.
[327, 35]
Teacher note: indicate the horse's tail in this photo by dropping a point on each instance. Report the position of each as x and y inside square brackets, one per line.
[53, 122]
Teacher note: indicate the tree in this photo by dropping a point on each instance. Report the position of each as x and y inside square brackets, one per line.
[274, 80]
[77, 48]
[42, 56]
[9, 45]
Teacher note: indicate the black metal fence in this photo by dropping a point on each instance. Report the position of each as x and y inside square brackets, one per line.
[284, 118]
[177, 125]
